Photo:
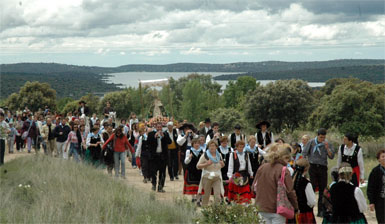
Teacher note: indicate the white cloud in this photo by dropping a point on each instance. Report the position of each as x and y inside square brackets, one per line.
[215, 27]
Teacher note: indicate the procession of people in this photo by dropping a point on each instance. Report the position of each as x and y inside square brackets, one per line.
[235, 168]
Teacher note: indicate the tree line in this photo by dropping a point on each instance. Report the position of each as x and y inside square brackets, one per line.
[346, 104]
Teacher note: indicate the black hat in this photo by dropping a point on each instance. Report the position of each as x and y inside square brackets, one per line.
[237, 126]
[189, 126]
[262, 123]
[207, 120]
[82, 101]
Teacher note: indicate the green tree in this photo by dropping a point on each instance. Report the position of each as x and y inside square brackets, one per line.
[34, 95]
[63, 102]
[211, 91]
[285, 103]
[92, 102]
[70, 107]
[236, 91]
[193, 98]
[352, 107]
[228, 118]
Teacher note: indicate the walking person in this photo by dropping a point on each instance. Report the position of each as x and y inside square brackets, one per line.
[205, 130]
[121, 145]
[158, 143]
[172, 151]
[348, 201]
[265, 184]
[75, 140]
[264, 136]
[317, 151]
[143, 152]
[48, 135]
[61, 132]
[376, 188]
[11, 137]
[29, 127]
[305, 194]
[108, 151]
[19, 141]
[133, 139]
[350, 152]
[94, 142]
[211, 164]
[236, 136]
[4, 131]
[193, 175]
[240, 174]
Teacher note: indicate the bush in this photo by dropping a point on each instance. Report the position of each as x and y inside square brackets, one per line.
[230, 214]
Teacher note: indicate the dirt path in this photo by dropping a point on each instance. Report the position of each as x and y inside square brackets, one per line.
[174, 189]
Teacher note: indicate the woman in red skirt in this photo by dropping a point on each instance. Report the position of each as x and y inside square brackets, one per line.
[240, 173]
[192, 176]
[304, 192]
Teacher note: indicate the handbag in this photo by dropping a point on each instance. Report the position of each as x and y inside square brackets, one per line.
[26, 133]
[284, 207]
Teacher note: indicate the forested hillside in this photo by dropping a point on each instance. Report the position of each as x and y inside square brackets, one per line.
[371, 73]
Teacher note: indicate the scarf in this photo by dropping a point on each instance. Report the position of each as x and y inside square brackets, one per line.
[224, 150]
[203, 147]
[249, 149]
[144, 137]
[317, 145]
[196, 151]
[240, 153]
[217, 156]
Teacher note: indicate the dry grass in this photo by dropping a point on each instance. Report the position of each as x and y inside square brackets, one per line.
[40, 189]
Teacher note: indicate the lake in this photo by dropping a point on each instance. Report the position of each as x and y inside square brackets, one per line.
[130, 79]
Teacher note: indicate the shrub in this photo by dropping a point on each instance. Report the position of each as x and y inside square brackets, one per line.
[230, 214]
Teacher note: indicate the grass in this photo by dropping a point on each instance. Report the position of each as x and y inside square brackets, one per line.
[40, 189]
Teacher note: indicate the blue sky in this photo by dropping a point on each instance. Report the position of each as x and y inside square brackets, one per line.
[118, 32]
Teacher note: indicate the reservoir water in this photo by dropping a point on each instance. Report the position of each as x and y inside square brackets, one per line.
[131, 79]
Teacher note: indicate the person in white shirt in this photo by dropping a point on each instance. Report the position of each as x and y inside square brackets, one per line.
[349, 203]
[236, 136]
[350, 152]
[214, 133]
[4, 131]
[240, 173]
[264, 137]
[304, 191]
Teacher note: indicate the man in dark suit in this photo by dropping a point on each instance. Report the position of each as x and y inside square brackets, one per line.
[205, 130]
[158, 143]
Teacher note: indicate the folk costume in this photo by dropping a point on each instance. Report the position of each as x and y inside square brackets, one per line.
[192, 176]
[94, 152]
[233, 138]
[184, 142]
[305, 196]
[173, 164]
[239, 173]
[253, 153]
[376, 191]
[225, 153]
[354, 157]
[348, 203]
[108, 152]
[264, 138]
[143, 151]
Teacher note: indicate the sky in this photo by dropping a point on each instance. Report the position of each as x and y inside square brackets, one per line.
[119, 32]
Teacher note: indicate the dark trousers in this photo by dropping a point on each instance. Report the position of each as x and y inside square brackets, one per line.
[319, 178]
[380, 210]
[173, 163]
[19, 142]
[158, 164]
[145, 167]
[2, 151]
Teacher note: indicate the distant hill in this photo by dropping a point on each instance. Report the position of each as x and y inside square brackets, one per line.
[372, 73]
[76, 81]
[267, 66]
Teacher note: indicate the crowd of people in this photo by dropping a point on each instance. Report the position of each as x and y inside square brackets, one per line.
[234, 168]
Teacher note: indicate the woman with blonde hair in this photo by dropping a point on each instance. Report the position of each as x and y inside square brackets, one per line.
[266, 184]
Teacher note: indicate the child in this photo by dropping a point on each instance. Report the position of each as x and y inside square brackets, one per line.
[192, 175]
[240, 172]
[304, 192]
